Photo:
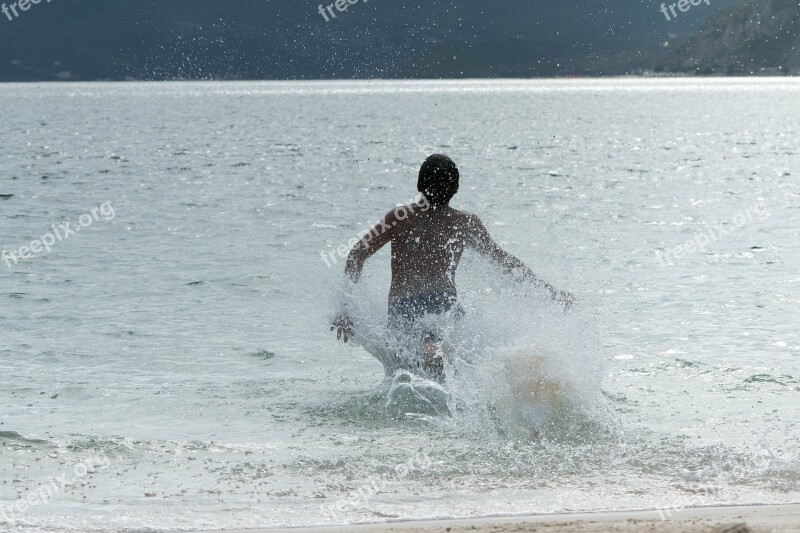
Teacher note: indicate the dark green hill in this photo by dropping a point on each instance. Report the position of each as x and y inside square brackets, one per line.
[752, 37]
[289, 39]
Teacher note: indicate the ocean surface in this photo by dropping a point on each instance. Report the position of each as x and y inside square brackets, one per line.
[170, 366]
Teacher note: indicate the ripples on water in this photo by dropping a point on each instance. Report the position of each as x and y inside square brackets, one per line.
[186, 339]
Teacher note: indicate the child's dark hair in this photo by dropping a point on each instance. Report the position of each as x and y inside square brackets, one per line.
[438, 179]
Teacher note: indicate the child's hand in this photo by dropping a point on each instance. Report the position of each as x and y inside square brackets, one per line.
[562, 296]
[344, 328]
[567, 298]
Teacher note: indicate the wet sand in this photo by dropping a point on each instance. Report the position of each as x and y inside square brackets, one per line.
[745, 519]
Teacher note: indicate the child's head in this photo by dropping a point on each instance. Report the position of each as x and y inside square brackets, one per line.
[438, 179]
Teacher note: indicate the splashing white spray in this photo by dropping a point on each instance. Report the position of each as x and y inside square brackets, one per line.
[516, 363]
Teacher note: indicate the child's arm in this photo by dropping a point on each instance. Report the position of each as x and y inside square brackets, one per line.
[481, 240]
[377, 238]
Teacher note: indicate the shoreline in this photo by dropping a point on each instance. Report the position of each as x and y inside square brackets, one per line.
[649, 76]
[722, 519]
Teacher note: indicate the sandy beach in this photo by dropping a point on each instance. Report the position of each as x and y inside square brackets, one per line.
[744, 519]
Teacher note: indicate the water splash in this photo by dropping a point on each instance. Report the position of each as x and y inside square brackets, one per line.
[515, 365]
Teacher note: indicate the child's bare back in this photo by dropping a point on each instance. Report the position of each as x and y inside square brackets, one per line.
[428, 239]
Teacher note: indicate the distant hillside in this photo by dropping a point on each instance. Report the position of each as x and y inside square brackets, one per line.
[290, 39]
[752, 37]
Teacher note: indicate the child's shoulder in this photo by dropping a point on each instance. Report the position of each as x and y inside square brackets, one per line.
[466, 216]
[402, 211]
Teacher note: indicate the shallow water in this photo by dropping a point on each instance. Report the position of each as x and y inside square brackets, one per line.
[185, 339]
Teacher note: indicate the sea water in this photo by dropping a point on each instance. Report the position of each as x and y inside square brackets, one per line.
[171, 366]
